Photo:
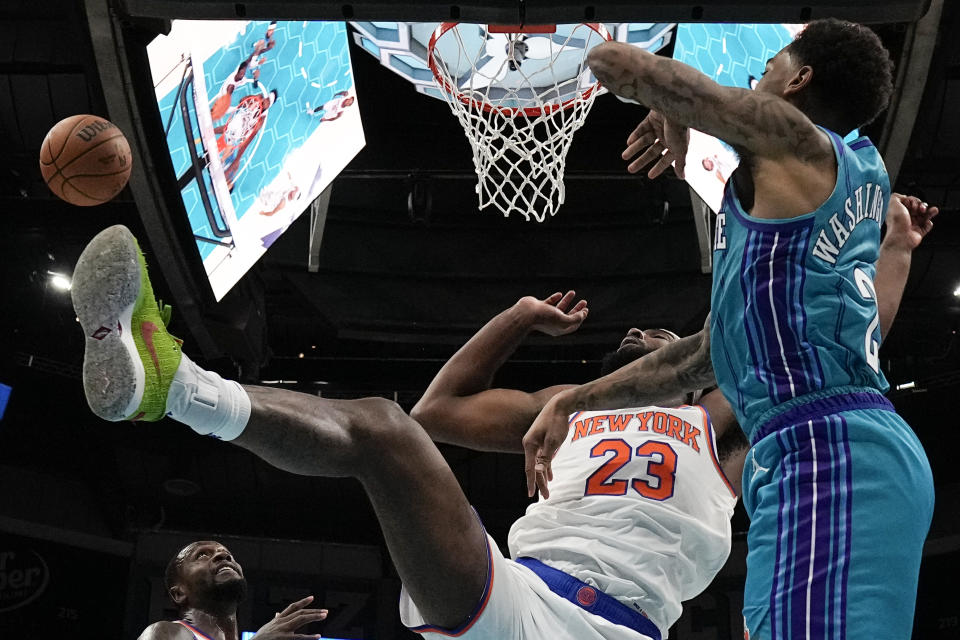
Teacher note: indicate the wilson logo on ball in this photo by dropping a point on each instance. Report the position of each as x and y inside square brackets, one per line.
[90, 131]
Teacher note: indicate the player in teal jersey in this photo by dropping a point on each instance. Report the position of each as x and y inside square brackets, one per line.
[837, 486]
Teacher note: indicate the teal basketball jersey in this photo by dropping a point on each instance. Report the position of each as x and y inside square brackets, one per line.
[794, 309]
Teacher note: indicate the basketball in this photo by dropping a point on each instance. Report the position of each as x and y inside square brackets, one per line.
[85, 160]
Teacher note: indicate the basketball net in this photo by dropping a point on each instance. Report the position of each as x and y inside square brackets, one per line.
[519, 130]
[244, 120]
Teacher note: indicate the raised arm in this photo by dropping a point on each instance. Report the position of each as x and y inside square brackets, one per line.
[762, 124]
[908, 221]
[657, 378]
[459, 407]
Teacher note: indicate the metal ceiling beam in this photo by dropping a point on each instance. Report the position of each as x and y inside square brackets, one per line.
[534, 11]
[911, 78]
[448, 174]
[318, 221]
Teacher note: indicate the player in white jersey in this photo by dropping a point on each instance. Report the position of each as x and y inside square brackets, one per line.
[332, 108]
[456, 582]
[639, 508]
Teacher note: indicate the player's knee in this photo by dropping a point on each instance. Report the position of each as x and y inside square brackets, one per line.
[379, 421]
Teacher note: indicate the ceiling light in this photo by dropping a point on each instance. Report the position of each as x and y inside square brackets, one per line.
[60, 282]
[906, 385]
[181, 487]
[956, 292]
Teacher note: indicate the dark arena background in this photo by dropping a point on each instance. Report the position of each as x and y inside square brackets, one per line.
[387, 272]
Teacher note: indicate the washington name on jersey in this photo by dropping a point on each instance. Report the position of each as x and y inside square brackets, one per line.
[638, 508]
[858, 207]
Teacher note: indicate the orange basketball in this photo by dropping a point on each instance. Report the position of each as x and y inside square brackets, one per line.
[85, 160]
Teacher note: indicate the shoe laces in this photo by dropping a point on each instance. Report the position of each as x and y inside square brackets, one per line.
[166, 311]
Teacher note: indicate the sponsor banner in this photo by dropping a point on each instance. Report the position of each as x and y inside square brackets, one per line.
[48, 588]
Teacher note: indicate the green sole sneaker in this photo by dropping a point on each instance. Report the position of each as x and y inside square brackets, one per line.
[129, 358]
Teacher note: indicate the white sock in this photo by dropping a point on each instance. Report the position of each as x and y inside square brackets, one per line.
[207, 403]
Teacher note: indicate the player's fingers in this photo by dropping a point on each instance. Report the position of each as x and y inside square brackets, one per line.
[565, 301]
[652, 153]
[550, 446]
[298, 620]
[294, 606]
[542, 482]
[680, 164]
[577, 308]
[638, 145]
[662, 165]
[553, 298]
[643, 135]
[638, 131]
[304, 617]
[530, 450]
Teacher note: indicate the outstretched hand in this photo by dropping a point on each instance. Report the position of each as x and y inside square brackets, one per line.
[285, 624]
[909, 220]
[555, 315]
[657, 139]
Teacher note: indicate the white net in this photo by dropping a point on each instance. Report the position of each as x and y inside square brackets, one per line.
[243, 122]
[520, 97]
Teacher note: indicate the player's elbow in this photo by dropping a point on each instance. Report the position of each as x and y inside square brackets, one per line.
[429, 414]
[422, 411]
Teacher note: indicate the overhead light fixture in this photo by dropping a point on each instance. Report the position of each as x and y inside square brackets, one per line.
[956, 292]
[181, 487]
[906, 385]
[59, 281]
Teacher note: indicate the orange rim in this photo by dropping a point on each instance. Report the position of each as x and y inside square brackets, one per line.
[507, 111]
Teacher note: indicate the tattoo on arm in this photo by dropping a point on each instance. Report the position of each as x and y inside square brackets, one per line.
[677, 368]
[762, 124]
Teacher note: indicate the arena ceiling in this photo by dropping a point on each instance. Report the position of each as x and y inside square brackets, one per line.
[397, 289]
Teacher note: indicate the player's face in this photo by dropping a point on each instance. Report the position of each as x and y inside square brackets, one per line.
[209, 572]
[645, 341]
[636, 344]
[777, 73]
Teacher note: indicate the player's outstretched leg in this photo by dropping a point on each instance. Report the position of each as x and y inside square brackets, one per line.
[437, 544]
[134, 369]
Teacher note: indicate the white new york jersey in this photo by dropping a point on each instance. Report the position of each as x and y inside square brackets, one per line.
[638, 508]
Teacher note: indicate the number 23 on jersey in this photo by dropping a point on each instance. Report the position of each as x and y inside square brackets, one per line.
[657, 481]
